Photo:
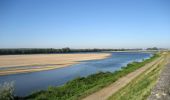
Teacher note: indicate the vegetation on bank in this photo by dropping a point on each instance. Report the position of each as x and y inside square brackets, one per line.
[140, 87]
[7, 91]
[83, 86]
[52, 50]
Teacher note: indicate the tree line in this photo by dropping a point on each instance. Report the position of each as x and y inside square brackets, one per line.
[52, 50]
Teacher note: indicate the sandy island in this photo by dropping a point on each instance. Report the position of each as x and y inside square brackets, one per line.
[12, 64]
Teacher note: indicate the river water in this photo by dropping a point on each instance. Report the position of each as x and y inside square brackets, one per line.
[29, 82]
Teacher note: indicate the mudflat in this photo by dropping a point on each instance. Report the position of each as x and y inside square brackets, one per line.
[11, 64]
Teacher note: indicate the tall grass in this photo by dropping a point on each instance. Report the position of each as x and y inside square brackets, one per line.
[83, 86]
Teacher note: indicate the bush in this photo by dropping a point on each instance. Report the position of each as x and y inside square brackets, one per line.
[6, 91]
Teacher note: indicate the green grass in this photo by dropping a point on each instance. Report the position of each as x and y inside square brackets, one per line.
[83, 86]
[140, 87]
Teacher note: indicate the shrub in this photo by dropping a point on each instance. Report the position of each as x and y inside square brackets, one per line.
[6, 91]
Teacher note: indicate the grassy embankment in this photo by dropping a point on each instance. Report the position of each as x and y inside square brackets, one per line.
[140, 87]
[81, 87]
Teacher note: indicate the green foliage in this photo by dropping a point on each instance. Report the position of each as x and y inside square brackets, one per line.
[154, 48]
[6, 91]
[83, 86]
[52, 50]
[33, 51]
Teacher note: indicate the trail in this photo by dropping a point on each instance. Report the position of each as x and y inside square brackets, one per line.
[106, 92]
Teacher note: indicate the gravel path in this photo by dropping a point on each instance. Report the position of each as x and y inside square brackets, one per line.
[162, 89]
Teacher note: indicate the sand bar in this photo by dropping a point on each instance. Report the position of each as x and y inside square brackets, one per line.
[12, 64]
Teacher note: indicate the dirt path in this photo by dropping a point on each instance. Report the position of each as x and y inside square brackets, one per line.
[106, 92]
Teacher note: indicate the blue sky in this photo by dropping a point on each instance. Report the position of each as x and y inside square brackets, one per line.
[84, 23]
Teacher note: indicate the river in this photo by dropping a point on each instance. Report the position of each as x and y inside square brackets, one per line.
[29, 82]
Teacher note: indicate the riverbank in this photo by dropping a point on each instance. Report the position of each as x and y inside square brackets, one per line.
[12, 64]
[140, 87]
[81, 87]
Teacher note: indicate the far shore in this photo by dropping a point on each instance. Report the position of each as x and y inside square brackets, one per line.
[13, 64]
